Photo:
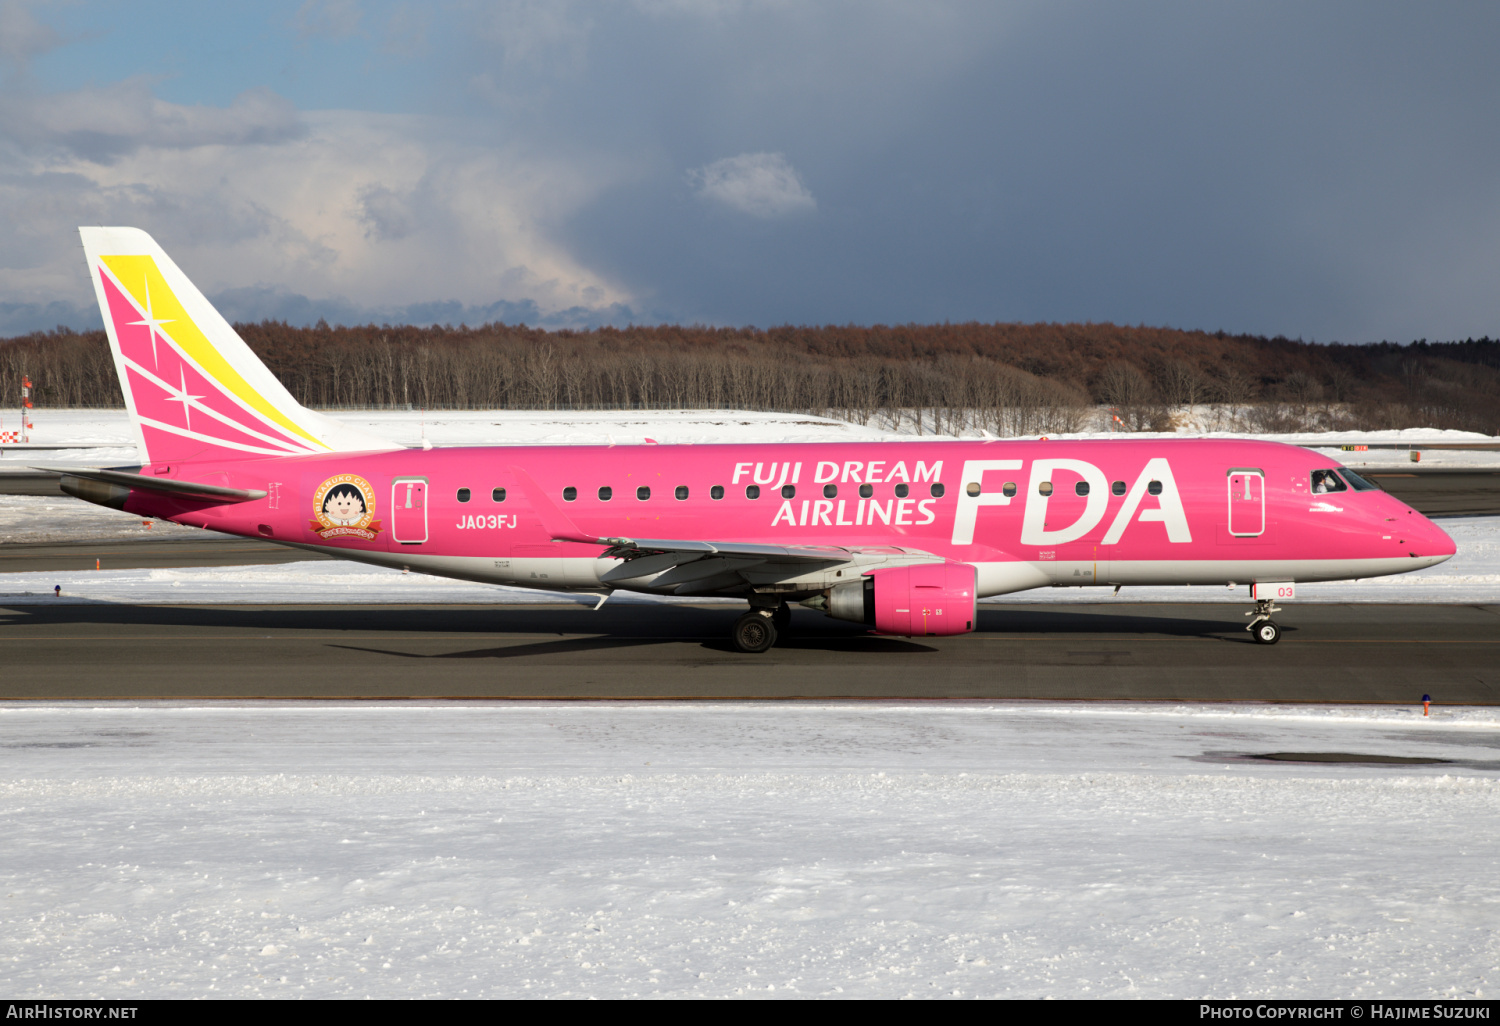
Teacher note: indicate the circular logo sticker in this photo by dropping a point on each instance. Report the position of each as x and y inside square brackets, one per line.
[343, 506]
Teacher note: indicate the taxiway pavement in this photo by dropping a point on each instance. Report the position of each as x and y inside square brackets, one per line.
[1167, 652]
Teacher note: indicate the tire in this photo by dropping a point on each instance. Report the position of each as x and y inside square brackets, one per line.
[754, 632]
[1267, 632]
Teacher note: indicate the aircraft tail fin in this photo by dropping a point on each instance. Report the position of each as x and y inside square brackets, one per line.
[194, 389]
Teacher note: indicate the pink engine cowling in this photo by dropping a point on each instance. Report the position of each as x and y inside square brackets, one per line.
[928, 599]
[933, 598]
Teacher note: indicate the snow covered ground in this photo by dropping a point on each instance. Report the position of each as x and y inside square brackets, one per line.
[857, 850]
[62, 518]
[1473, 575]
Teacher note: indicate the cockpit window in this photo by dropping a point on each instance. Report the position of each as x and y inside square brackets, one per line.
[1356, 482]
[1327, 481]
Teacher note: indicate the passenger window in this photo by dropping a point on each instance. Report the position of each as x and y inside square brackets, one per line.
[1118, 487]
[1154, 488]
[830, 490]
[606, 493]
[643, 493]
[902, 491]
[972, 489]
[1009, 490]
[787, 491]
[716, 492]
[865, 491]
[1045, 488]
[752, 491]
[498, 495]
[1327, 481]
[937, 491]
[1081, 488]
[463, 495]
[569, 494]
[682, 492]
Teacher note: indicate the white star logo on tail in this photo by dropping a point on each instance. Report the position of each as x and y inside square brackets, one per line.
[180, 395]
[153, 323]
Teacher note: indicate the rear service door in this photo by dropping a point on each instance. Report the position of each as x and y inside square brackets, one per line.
[1247, 502]
[409, 510]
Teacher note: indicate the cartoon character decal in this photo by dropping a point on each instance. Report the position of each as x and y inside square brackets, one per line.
[344, 506]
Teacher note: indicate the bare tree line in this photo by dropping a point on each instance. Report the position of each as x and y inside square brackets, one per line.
[1006, 379]
[958, 393]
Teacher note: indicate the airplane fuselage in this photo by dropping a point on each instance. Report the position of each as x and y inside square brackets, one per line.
[1026, 514]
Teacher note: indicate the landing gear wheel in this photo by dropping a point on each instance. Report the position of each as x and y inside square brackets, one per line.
[1263, 629]
[754, 632]
[1267, 632]
[782, 618]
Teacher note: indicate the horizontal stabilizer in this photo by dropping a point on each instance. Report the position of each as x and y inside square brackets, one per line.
[160, 485]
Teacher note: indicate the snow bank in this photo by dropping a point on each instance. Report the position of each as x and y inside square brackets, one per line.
[111, 430]
[862, 850]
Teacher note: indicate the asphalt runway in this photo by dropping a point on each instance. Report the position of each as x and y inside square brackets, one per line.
[1159, 652]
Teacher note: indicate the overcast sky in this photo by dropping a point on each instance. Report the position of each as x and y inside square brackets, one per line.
[1326, 170]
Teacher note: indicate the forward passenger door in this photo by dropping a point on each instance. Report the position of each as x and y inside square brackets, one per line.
[409, 510]
[1247, 502]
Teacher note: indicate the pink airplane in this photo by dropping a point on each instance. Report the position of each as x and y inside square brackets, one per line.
[903, 536]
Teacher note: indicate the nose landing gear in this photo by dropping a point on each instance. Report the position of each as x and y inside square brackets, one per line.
[1263, 629]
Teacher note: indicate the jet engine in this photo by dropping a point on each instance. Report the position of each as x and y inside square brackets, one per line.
[926, 599]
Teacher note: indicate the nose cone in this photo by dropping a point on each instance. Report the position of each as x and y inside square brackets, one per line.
[1428, 542]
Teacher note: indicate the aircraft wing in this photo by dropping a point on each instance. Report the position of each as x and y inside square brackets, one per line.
[700, 565]
[630, 548]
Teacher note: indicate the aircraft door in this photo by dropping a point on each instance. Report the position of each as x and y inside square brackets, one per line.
[409, 510]
[1247, 502]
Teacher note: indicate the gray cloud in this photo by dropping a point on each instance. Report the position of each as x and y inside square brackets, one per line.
[102, 123]
[22, 36]
[762, 185]
[24, 318]
[264, 303]
[385, 215]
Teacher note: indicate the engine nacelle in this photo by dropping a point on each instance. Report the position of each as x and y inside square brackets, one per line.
[926, 599]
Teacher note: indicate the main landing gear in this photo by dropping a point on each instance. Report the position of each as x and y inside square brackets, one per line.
[756, 631]
[1263, 629]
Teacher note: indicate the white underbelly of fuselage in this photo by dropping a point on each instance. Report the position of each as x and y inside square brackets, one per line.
[994, 578]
